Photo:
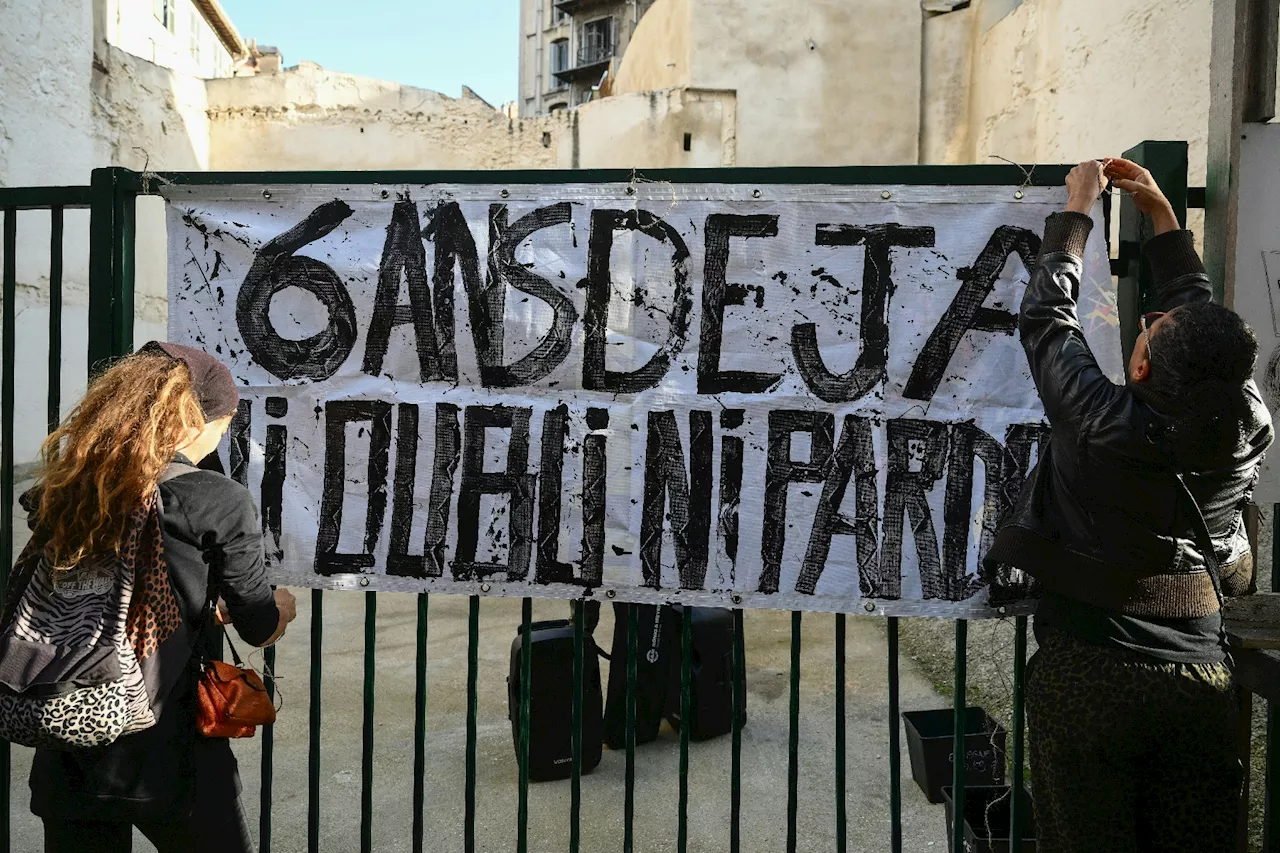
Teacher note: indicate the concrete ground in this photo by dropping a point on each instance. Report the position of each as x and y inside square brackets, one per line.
[764, 754]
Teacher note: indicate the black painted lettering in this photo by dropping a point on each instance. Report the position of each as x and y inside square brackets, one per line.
[276, 267]
[595, 471]
[782, 472]
[731, 451]
[877, 288]
[274, 472]
[488, 309]
[399, 561]
[681, 495]
[447, 456]
[967, 312]
[339, 413]
[599, 287]
[716, 294]
[516, 481]
[854, 457]
[238, 439]
[917, 457]
[404, 255]
[555, 429]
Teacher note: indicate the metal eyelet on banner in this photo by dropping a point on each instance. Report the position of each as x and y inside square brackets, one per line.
[266, 194]
[1018, 195]
[886, 195]
[484, 587]
[505, 193]
[385, 194]
[869, 606]
[610, 593]
[756, 193]
[364, 581]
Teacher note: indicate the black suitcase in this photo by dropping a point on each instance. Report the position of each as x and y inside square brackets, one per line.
[710, 675]
[657, 642]
[551, 701]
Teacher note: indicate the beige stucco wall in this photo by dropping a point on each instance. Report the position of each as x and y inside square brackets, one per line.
[1061, 80]
[825, 82]
[647, 130]
[314, 118]
[658, 56]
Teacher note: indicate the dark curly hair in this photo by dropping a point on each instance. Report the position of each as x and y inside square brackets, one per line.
[1202, 359]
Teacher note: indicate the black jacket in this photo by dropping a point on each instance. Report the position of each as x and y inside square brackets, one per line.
[1100, 518]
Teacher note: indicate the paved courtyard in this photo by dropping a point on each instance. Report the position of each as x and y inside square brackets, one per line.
[764, 754]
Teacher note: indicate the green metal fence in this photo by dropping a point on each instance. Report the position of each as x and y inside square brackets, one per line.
[111, 197]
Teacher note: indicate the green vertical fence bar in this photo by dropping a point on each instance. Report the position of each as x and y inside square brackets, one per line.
[522, 757]
[895, 744]
[737, 697]
[1167, 162]
[268, 757]
[420, 725]
[957, 743]
[55, 318]
[629, 796]
[575, 779]
[473, 704]
[7, 332]
[366, 742]
[686, 709]
[1016, 818]
[793, 736]
[841, 818]
[111, 266]
[313, 722]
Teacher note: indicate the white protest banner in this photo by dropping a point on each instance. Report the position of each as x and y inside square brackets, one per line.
[800, 397]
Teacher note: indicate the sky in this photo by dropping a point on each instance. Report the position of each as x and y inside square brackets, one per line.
[432, 44]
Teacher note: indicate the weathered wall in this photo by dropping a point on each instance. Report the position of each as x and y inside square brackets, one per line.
[191, 47]
[659, 56]
[825, 82]
[1061, 80]
[648, 129]
[945, 88]
[313, 118]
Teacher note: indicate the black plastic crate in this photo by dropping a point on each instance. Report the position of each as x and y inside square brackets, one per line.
[930, 738]
[987, 811]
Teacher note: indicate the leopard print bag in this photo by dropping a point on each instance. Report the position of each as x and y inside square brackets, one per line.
[80, 649]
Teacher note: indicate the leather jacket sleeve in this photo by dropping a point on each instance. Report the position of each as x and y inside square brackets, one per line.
[1178, 276]
[1066, 374]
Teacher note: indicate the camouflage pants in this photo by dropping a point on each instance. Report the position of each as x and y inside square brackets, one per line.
[1129, 753]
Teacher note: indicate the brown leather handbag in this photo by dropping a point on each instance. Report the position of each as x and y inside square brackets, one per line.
[231, 700]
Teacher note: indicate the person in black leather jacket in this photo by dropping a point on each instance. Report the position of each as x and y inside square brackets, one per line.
[1130, 699]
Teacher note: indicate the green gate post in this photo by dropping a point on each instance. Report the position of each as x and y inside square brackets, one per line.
[1167, 162]
[113, 193]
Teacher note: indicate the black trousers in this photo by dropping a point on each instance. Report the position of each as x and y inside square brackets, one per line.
[212, 827]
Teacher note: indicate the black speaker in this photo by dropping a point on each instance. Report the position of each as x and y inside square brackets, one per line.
[657, 641]
[551, 700]
[710, 673]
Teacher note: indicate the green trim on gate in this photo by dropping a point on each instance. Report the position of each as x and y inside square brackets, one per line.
[971, 175]
[41, 198]
[522, 743]
[629, 801]
[313, 721]
[9, 326]
[54, 400]
[267, 765]
[420, 724]
[958, 740]
[793, 736]
[1167, 162]
[895, 744]
[842, 842]
[686, 712]
[737, 695]
[1016, 817]
[111, 267]
[366, 742]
